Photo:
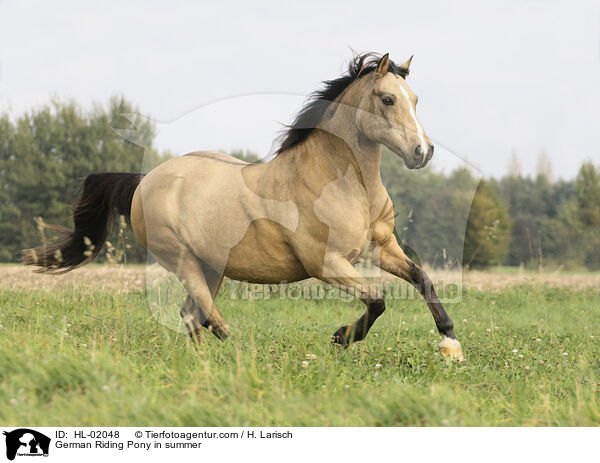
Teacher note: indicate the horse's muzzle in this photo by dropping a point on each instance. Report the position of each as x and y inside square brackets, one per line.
[423, 157]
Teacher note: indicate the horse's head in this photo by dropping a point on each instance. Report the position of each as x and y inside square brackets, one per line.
[387, 114]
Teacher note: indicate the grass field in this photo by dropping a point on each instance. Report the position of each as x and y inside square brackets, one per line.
[86, 355]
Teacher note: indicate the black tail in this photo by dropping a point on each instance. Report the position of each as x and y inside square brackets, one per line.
[103, 194]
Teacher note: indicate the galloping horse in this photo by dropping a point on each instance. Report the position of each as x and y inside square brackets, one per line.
[308, 212]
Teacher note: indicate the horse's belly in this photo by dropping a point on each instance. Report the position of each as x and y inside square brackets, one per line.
[263, 256]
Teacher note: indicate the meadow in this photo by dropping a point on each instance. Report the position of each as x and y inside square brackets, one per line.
[85, 350]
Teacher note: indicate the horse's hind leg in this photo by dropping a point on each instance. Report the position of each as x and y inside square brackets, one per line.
[214, 280]
[199, 310]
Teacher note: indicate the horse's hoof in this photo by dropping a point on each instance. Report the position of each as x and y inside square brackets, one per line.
[340, 338]
[451, 348]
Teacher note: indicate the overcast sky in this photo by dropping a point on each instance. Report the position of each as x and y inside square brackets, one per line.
[522, 75]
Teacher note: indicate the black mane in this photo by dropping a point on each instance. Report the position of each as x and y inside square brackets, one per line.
[310, 115]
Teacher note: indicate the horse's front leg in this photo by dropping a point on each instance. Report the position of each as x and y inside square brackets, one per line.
[341, 274]
[394, 261]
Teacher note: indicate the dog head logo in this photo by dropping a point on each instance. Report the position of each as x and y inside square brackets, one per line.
[26, 442]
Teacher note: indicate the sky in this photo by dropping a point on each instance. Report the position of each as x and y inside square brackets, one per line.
[492, 78]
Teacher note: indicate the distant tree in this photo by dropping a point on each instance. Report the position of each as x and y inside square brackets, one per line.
[588, 194]
[588, 211]
[544, 167]
[514, 165]
[9, 211]
[488, 229]
[533, 203]
[562, 243]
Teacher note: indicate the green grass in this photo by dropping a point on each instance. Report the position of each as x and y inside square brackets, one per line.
[78, 357]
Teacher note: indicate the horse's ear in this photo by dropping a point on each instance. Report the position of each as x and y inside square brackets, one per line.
[384, 65]
[403, 69]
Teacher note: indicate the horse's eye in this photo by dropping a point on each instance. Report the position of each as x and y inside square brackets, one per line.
[387, 100]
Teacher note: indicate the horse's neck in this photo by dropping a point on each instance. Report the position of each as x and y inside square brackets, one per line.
[343, 146]
[339, 133]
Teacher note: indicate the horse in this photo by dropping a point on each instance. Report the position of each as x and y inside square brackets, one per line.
[306, 212]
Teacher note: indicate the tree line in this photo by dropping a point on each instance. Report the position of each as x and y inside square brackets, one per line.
[45, 154]
[513, 220]
[442, 219]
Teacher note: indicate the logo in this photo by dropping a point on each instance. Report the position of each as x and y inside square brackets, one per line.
[26, 442]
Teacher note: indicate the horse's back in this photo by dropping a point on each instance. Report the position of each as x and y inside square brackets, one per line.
[216, 156]
[197, 169]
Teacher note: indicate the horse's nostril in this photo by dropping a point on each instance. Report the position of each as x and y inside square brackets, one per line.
[419, 153]
[423, 156]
